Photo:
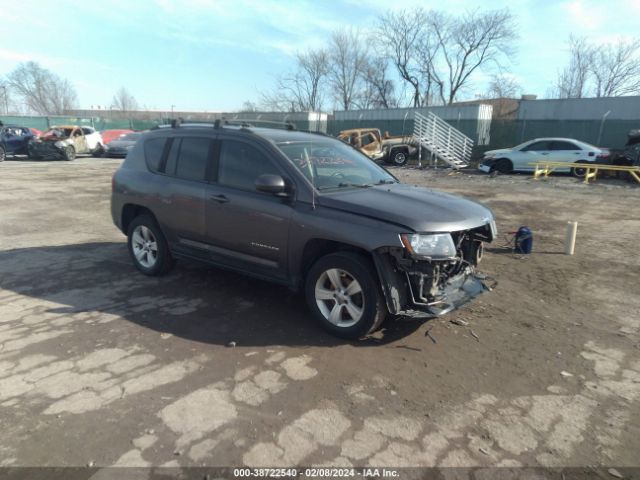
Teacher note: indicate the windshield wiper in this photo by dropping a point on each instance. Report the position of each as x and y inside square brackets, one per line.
[359, 185]
[386, 182]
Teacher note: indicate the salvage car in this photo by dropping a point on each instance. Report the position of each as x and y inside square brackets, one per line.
[109, 135]
[394, 150]
[121, 146]
[520, 158]
[65, 142]
[303, 210]
[14, 140]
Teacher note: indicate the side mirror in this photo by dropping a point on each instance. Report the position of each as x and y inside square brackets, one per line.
[273, 184]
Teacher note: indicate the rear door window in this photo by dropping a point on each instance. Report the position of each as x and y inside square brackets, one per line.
[537, 147]
[561, 145]
[193, 158]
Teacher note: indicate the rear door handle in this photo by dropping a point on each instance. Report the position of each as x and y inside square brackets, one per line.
[219, 198]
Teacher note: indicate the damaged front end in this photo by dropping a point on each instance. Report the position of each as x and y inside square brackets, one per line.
[48, 149]
[433, 274]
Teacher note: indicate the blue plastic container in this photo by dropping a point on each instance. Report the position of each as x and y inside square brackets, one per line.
[524, 240]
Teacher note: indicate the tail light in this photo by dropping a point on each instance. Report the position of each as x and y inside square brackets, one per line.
[603, 155]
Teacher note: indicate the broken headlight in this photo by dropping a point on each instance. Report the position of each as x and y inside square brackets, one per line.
[433, 245]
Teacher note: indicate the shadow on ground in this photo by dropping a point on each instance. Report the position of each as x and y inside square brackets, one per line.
[194, 302]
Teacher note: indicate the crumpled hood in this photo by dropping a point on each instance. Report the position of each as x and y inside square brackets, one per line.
[420, 209]
[57, 141]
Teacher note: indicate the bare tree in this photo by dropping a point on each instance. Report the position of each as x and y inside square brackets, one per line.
[466, 44]
[399, 34]
[503, 86]
[249, 106]
[302, 90]
[428, 50]
[379, 89]
[124, 101]
[40, 90]
[573, 80]
[347, 66]
[616, 68]
[437, 54]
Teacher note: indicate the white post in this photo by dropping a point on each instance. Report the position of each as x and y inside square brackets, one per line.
[570, 240]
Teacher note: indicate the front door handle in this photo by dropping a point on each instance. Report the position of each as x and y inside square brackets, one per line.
[219, 198]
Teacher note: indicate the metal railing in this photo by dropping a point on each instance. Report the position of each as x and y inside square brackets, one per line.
[443, 141]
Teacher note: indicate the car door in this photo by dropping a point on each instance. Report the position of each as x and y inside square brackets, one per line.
[91, 137]
[25, 137]
[534, 152]
[180, 202]
[11, 139]
[79, 140]
[246, 229]
[370, 144]
[564, 151]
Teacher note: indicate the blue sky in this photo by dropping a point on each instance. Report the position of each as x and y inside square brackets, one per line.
[215, 54]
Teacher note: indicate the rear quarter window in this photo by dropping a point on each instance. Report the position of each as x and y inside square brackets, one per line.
[153, 150]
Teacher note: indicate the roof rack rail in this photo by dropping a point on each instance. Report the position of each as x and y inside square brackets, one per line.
[251, 122]
[243, 123]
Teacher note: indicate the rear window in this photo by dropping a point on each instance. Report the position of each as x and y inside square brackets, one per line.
[153, 149]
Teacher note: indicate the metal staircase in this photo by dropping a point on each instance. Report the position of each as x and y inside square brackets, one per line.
[442, 141]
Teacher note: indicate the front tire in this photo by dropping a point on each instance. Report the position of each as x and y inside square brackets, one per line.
[69, 153]
[148, 246]
[3, 154]
[343, 294]
[503, 165]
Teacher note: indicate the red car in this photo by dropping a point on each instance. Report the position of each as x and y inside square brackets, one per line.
[109, 135]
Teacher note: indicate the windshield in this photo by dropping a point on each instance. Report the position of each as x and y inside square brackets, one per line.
[58, 132]
[332, 164]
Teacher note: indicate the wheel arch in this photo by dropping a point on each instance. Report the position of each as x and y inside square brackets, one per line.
[131, 211]
[316, 248]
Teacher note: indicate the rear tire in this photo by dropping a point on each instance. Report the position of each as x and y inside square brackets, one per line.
[69, 153]
[343, 294]
[3, 154]
[503, 165]
[148, 246]
[398, 157]
[579, 172]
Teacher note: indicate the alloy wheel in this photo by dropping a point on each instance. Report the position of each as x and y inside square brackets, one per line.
[145, 246]
[339, 297]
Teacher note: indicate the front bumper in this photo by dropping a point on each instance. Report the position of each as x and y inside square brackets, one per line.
[458, 291]
[421, 287]
[485, 165]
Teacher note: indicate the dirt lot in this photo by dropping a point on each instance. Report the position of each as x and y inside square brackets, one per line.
[99, 364]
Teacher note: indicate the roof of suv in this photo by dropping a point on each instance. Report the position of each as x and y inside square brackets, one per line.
[275, 135]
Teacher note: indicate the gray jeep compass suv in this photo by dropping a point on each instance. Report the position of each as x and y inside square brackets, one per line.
[306, 211]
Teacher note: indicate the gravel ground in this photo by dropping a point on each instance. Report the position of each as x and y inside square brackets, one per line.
[102, 366]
